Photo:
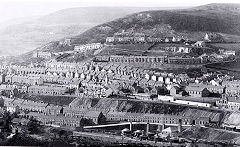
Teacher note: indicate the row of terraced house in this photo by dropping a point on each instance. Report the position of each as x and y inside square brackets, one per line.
[151, 60]
[134, 37]
[48, 113]
[68, 116]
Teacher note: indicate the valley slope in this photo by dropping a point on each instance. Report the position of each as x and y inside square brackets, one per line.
[22, 35]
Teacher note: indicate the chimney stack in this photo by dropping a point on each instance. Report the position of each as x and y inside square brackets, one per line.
[130, 126]
[163, 126]
[180, 125]
[147, 130]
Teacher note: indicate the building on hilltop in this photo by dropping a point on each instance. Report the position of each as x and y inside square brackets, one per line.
[181, 60]
[170, 39]
[86, 47]
[200, 44]
[127, 37]
[109, 39]
[66, 41]
[42, 54]
[206, 37]
[229, 52]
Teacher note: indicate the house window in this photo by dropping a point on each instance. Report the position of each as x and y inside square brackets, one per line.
[193, 122]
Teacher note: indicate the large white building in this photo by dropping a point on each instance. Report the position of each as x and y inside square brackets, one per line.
[41, 54]
[230, 52]
[110, 39]
[85, 47]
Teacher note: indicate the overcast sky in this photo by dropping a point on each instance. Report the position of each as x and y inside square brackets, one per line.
[11, 9]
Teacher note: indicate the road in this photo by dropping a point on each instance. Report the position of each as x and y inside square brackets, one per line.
[128, 123]
[124, 140]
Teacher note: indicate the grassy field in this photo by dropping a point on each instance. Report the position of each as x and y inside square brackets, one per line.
[133, 46]
[138, 49]
[212, 135]
[125, 49]
[231, 66]
[228, 46]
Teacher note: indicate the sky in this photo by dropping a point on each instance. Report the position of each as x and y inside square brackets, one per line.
[12, 9]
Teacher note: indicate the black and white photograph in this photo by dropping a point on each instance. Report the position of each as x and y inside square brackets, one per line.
[120, 73]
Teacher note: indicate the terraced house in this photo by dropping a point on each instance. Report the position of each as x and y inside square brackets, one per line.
[15, 104]
[180, 60]
[137, 59]
[96, 116]
[188, 117]
[55, 120]
[233, 91]
[230, 103]
[46, 90]
[41, 54]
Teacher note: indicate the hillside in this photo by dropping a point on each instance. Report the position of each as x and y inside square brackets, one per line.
[190, 23]
[22, 35]
[202, 134]
[133, 106]
[95, 15]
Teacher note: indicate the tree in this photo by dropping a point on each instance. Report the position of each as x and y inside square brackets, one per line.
[7, 121]
[15, 92]
[34, 126]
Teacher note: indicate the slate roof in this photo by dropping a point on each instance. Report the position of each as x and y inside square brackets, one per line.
[194, 88]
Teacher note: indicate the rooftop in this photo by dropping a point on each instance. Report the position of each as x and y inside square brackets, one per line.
[195, 88]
